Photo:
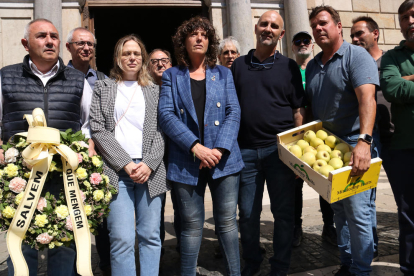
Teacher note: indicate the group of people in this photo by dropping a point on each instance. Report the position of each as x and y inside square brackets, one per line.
[161, 128]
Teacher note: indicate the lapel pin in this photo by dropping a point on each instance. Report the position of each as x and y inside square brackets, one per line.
[213, 78]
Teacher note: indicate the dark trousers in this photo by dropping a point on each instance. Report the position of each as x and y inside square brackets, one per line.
[263, 165]
[327, 212]
[103, 245]
[177, 220]
[401, 176]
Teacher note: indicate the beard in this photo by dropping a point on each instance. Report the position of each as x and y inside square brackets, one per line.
[304, 53]
[408, 35]
[266, 42]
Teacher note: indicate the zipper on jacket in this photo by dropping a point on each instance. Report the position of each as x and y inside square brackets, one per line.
[45, 99]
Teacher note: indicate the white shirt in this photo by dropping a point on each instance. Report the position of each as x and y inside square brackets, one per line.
[85, 101]
[128, 131]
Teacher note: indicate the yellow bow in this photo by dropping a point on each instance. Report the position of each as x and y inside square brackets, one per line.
[44, 142]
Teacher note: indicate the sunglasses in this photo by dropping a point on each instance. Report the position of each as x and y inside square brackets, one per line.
[306, 41]
[261, 66]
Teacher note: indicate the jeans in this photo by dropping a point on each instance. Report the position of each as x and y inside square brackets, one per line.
[401, 177]
[60, 261]
[134, 198]
[355, 219]
[190, 199]
[262, 165]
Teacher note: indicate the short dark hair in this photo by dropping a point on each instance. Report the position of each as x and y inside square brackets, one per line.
[160, 50]
[188, 27]
[405, 6]
[334, 14]
[371, 24]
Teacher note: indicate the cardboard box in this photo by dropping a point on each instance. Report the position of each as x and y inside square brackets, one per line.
[339, 184]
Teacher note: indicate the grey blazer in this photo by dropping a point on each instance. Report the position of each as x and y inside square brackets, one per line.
[102, 124]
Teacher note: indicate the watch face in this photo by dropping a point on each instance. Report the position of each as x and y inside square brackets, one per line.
[368, 138]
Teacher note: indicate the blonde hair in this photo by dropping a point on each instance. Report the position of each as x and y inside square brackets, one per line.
[144, 77]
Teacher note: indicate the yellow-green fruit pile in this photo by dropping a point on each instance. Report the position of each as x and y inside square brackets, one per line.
[323, 152]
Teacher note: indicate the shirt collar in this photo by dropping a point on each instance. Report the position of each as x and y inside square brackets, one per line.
[401, 46]
[277, 54]
[52, 71]
[341, 51]
[90, 70]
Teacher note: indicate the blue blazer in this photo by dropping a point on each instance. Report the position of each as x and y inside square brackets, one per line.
[178, 119]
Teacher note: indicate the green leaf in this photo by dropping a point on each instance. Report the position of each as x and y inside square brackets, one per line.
[78, 133]
[64, 135]
[4, 147]
[68, 130]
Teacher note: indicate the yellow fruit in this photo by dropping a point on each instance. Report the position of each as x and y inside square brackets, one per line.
[347, 156]
[309, 135]
[336, 163]
[321, 134]
[310, 149]
[324, 170]
[344, 148]
[331, 141]
[302, 144]
[319, 164]
[337, 154]
[296, 150]
[308, 158]
[323, 155]
[315, 142]
[324, 147]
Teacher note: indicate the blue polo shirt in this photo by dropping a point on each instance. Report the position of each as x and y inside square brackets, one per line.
[330, 88]
[90, 77]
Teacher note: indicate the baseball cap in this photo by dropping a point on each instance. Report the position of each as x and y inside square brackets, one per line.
[299, 33]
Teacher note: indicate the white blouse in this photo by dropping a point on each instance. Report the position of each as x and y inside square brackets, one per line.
[128, 131]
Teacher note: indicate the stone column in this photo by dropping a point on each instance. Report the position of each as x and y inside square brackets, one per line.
[51, 10]
[297, 19]
[239, 16]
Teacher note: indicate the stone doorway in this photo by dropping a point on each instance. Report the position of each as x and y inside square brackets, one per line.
[154, 25]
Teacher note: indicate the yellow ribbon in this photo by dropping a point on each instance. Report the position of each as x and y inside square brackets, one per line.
[44, 142]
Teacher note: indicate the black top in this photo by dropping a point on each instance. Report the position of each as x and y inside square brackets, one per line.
[267, 97]
[198, 92]
[386, 127]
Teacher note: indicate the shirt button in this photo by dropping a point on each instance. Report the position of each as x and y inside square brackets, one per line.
[216, 123]
[218, 104]
[182, 111]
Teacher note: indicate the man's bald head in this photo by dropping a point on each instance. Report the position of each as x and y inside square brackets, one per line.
[273, 13]
[269, 29]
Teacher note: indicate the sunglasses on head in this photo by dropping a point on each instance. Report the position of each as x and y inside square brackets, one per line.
[306, 41]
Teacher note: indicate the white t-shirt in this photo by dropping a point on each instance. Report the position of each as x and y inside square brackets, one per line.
[128, 132]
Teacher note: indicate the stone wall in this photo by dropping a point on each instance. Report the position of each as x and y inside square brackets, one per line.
[384, 12]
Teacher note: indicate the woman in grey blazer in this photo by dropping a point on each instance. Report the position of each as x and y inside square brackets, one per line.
[123, 121]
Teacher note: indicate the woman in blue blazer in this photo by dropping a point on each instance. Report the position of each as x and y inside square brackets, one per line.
[199, 112]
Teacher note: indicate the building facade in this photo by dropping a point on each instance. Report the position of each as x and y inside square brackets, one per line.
[155, 21]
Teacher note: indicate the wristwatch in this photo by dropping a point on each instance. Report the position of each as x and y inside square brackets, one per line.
[366, 138]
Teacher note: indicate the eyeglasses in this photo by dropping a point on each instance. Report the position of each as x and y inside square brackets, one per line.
[164, 61]
[261, 66]
[306, 41]
[83, 43]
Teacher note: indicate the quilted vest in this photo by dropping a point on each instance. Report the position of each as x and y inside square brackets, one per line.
[23, 91]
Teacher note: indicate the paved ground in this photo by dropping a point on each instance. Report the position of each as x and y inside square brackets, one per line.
[314, 257]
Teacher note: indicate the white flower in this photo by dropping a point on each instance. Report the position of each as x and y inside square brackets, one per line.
[10, 155]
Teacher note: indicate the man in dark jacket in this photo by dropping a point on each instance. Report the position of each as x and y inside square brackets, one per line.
[43, 81]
